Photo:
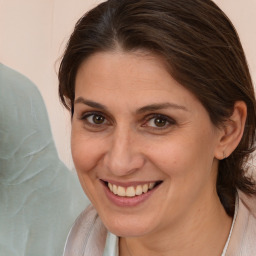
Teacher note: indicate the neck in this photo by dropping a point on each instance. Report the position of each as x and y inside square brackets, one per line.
[203, 231]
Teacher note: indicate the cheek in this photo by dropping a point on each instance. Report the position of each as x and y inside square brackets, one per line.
[170, 155]
[183, 155]
[85, 156]
[85, 152]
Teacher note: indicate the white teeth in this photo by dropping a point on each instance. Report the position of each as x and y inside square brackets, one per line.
[115, 189]
[145, 188]
[151, 185]
[138, 190]
[110, 186]
[132, 190]
[121, 191]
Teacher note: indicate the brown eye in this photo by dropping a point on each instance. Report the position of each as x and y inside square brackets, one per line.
[160, 122]
[97, 119]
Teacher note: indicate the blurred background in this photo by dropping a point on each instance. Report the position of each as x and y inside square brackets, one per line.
[33, 35]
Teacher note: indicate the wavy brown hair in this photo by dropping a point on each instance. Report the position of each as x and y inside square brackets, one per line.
[203, 53]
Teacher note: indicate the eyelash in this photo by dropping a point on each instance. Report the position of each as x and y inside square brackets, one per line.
[168, 121]
[85, 117]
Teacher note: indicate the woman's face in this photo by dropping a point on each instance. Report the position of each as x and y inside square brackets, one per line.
[143, 145]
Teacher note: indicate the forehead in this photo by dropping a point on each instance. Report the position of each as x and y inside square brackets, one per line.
[115, 69]
[123, 76]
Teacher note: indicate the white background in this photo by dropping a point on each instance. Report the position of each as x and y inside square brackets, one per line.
[33, 34]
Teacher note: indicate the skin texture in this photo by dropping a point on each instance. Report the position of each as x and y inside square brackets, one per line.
[183, 215]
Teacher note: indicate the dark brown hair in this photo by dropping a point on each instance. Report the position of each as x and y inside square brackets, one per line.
[202, 51]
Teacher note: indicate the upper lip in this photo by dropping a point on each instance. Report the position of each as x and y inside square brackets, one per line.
[130, 183]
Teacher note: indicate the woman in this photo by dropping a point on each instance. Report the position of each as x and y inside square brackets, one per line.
[163, 123]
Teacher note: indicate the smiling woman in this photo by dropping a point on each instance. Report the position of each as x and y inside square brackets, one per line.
[163, 123]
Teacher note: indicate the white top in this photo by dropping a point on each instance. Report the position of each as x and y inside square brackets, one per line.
[89, 237]
[112, 241]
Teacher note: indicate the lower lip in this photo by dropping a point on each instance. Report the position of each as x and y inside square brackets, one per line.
[128, 201]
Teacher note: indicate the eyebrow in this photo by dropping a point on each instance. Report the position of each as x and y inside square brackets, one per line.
[90, 103]
[148, 108]
[155, 107]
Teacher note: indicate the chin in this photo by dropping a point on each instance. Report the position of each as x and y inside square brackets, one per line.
[126, 227]
[128, 232]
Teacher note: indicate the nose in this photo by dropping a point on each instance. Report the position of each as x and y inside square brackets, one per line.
[123, 156]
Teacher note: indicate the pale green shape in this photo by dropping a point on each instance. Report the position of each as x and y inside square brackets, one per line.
[39, 197]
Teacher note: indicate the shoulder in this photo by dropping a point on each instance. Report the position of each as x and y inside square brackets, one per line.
[243, 238]
[248, 211]
[249, 202]
[87, 236]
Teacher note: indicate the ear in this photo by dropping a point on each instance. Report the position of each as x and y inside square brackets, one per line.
[232, 131]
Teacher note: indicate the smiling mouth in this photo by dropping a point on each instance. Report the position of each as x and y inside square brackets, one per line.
[131, 191]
